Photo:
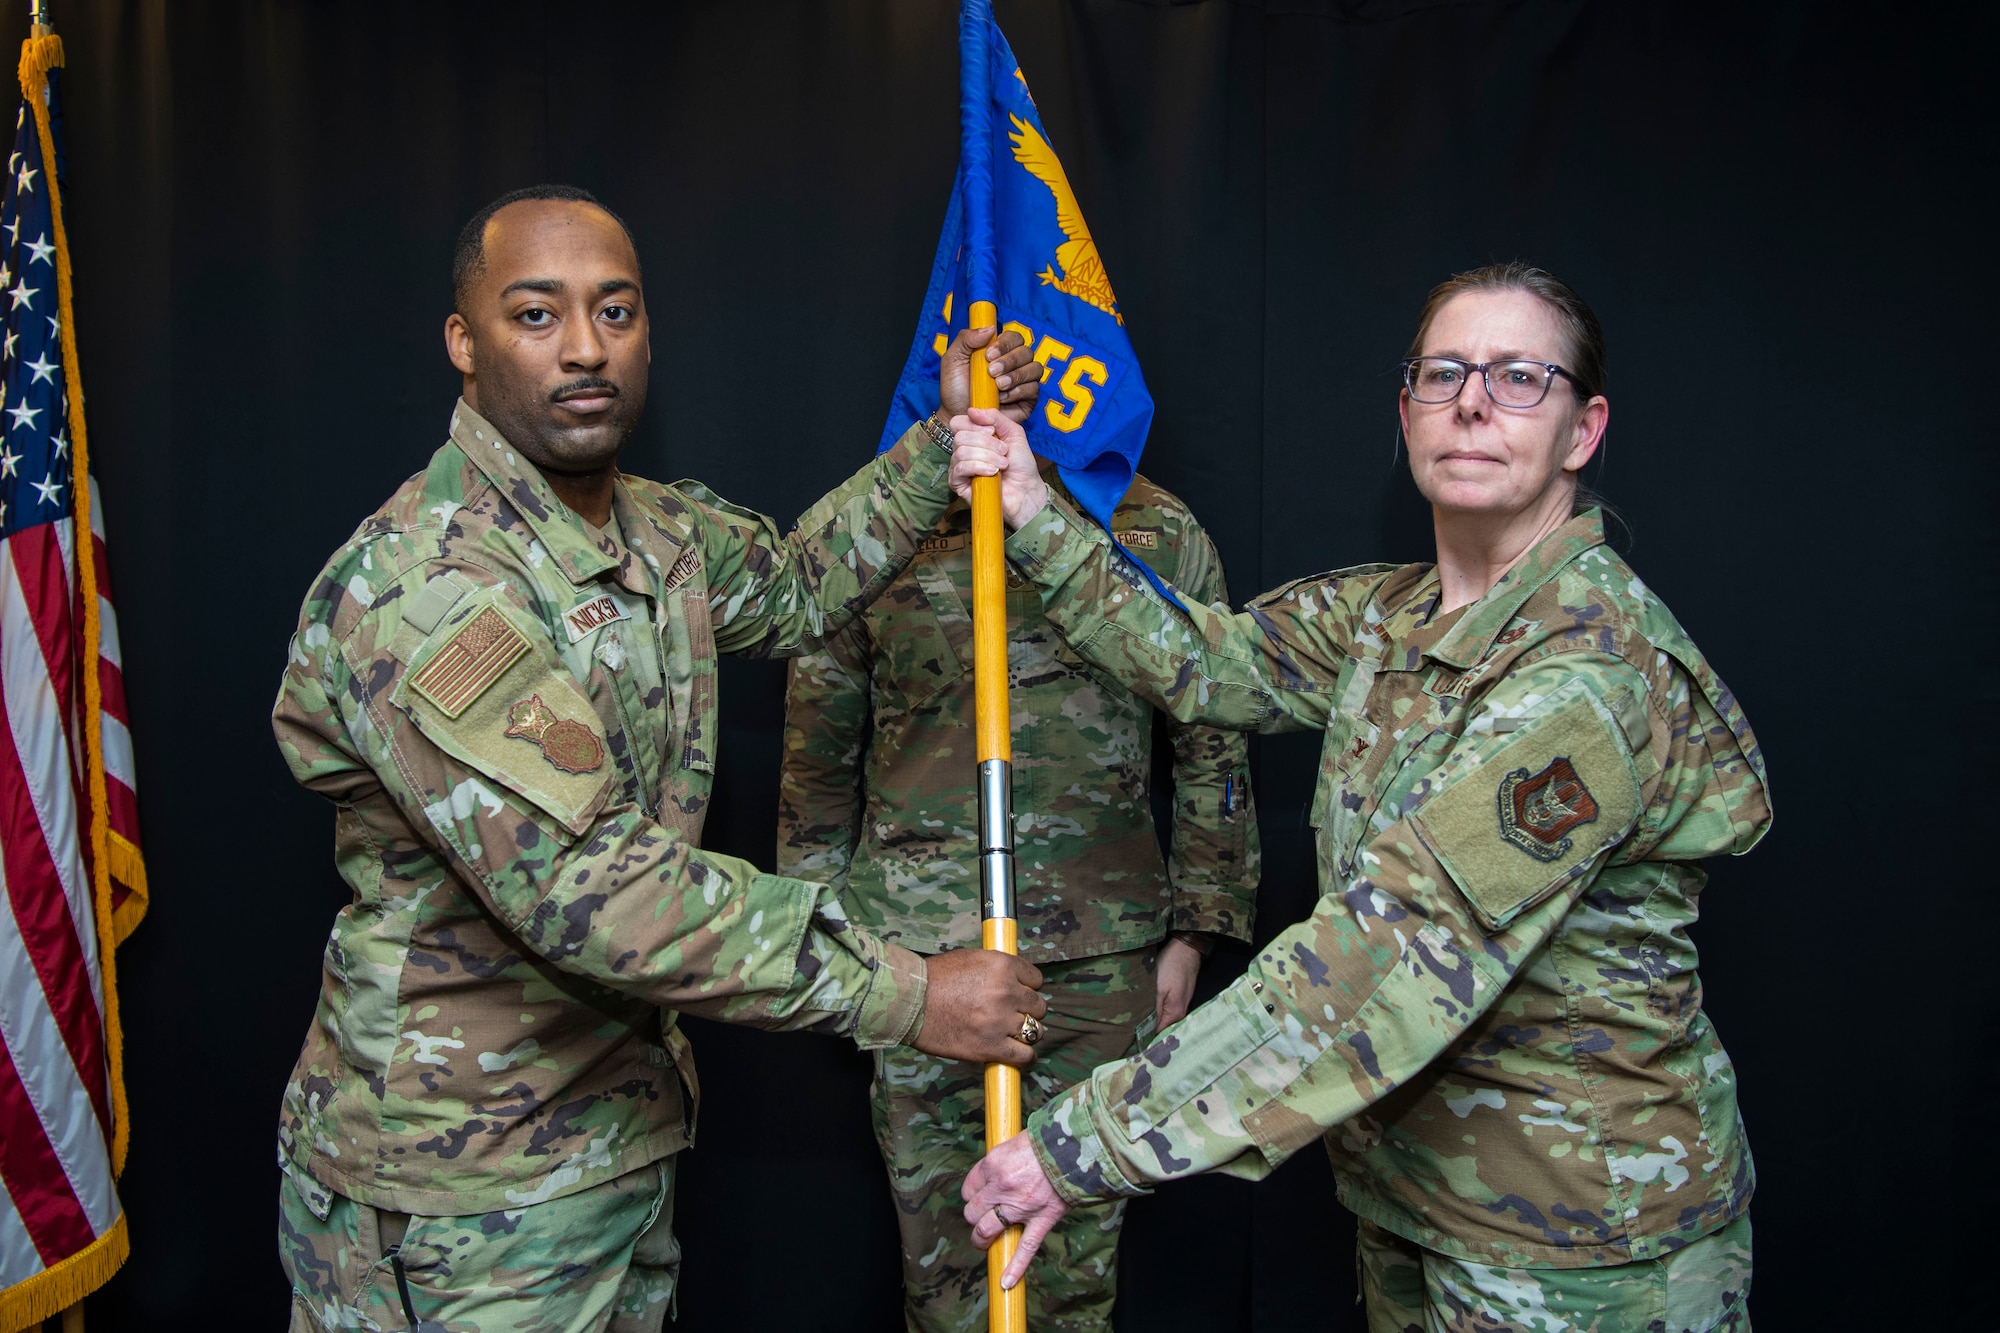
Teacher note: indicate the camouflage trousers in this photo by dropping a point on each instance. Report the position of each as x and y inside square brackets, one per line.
[930, 1122]
[1701, 1288]
[603, 1260]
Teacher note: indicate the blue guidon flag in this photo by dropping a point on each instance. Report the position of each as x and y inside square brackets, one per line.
[1014, 236]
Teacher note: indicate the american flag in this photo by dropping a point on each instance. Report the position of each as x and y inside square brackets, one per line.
[71, 878]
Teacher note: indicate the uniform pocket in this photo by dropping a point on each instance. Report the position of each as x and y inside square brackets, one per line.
[698, 720]
[1175, 1069]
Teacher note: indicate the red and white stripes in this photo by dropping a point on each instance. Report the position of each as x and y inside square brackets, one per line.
[55, 1101]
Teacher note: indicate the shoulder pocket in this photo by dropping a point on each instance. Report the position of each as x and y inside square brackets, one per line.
[487, 687]
[1524, 817]
[1172, 1070]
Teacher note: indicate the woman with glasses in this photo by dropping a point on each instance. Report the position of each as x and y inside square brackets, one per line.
[1492, 1017]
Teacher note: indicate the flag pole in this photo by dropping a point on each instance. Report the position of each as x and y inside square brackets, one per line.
[1006, 1311]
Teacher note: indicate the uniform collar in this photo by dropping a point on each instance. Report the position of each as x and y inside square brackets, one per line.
[561, 533]
[1472, 637]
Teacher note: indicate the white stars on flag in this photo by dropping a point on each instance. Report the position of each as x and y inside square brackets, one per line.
[36, 486]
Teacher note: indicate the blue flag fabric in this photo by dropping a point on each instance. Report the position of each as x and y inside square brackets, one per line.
[1013, 235]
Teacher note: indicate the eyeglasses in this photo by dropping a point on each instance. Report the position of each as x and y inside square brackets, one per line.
[1441, 379]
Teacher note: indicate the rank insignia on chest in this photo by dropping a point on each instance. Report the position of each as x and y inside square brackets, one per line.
[1538, 812]
[483, 647]
[570, 746]
[584, 620]
[683, 569]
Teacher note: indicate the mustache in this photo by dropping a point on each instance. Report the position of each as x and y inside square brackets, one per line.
[579, 385]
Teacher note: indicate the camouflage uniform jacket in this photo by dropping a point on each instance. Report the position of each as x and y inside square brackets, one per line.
[879, 794]
[1494, 1008]
[514, 716]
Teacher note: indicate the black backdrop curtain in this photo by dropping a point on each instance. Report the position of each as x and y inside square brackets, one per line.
[1771, 206]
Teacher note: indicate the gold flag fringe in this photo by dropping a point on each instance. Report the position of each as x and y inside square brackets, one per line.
[61, 1285]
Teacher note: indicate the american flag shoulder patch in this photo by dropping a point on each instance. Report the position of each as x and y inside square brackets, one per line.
[470, 661]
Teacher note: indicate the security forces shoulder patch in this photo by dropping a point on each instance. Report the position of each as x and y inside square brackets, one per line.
[470, 661]
[1515, 824]
[569, 745]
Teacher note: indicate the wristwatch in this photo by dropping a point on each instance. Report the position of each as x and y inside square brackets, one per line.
[940, 432]
[1200, 941]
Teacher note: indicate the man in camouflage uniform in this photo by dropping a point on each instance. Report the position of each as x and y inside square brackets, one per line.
[1492, 1017]
[877, 796]
[505, 682]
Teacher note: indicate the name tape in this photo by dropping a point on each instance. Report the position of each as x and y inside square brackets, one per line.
[585, 620]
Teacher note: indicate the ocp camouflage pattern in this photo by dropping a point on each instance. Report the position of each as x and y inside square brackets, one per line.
[879, 790]
[600, 1260]
[929, 1123]
[496, 1019]
[1494, 1007]
[1702, 1287]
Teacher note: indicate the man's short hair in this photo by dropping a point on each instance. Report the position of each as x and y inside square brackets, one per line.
[468, 258]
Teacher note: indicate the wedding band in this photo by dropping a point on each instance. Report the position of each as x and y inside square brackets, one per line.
[1002, 1216]
[1031, 1030]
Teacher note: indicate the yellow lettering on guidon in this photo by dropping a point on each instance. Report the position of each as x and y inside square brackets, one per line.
[582, 621]
[940, 343]
[1070, 416]
[1068, 411]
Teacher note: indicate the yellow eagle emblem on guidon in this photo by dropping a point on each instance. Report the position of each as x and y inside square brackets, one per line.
[1083, 272]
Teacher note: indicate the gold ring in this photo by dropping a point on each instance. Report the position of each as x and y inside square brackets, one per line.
[1031, 1030]
[1002, 1216]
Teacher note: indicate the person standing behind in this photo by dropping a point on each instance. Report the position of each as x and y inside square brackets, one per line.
[879, 798]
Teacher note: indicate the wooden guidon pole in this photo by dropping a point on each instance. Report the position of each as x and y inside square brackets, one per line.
[1007, 1311]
